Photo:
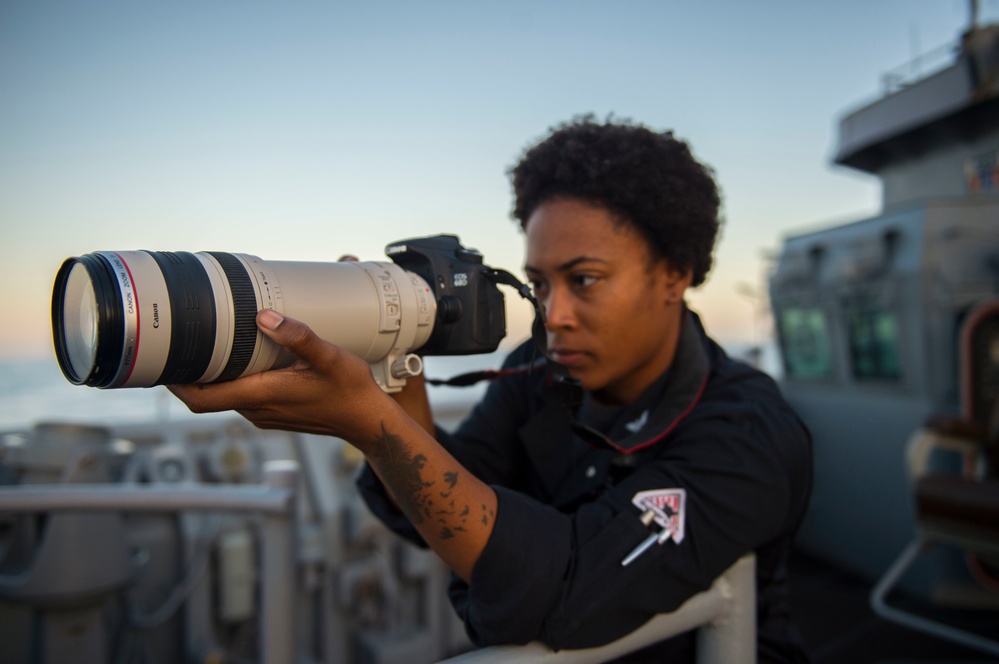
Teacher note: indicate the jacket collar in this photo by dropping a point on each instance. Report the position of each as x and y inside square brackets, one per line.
[685, 381]
[568, 467]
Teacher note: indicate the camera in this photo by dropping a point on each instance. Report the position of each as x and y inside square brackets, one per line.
[144, 318]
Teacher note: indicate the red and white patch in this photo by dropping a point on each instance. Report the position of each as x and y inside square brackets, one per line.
[669, 507]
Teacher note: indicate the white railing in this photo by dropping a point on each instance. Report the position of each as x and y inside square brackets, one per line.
[724, 616]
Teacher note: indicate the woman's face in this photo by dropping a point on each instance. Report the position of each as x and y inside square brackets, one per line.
[613, 314]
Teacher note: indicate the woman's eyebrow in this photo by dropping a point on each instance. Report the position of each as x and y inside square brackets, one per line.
[568, 265]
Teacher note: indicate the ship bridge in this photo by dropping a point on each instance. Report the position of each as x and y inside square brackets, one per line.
[934, 131]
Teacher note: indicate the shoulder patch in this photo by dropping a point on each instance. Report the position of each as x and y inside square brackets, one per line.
[668, 506]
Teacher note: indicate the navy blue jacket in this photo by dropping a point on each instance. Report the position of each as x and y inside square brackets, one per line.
[551, 571]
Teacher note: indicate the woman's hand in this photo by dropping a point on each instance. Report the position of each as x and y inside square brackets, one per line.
[328, 390]
[331, 391]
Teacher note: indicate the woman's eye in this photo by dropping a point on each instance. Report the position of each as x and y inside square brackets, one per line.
[584, 280]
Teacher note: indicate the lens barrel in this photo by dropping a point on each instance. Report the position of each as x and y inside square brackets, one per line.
[142, 318]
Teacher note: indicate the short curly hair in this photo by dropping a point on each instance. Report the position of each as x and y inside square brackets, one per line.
[647, 179]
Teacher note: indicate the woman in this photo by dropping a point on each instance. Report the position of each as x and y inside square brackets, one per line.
[536, 506]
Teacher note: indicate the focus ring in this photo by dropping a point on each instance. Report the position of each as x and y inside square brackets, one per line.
[244, 304]
[192, 305]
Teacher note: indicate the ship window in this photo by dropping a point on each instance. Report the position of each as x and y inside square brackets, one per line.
[805, 343]
[874, 345]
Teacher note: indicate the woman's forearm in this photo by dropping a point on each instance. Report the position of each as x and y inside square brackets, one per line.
[452, 509]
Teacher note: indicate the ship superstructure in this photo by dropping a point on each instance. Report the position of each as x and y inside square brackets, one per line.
[872, 316]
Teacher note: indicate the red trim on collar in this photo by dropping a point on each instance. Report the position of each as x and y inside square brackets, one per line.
[666, 432]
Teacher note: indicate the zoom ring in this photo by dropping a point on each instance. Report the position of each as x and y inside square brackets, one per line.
[244, 304]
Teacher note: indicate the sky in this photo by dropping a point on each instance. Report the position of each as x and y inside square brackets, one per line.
[306, 130]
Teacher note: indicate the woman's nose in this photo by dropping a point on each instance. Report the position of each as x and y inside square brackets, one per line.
[559, 312]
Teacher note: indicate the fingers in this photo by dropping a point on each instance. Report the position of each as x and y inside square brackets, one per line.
[257, 390]
[324, 378]
[328, 391]
[244, 394]
[193, 398]
[296, 337]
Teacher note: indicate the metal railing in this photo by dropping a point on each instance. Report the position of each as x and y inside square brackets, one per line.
[881, 607]
[724, 616]
[919, 67]
[274, 500]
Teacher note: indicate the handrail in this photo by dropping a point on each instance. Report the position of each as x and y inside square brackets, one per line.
[881, 607]
[275, 500]
[920, 67]
[725, 614]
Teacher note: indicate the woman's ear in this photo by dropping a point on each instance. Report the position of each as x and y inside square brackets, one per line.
[677, 283]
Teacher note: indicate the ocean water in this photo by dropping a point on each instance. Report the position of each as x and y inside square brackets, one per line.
[34, 390]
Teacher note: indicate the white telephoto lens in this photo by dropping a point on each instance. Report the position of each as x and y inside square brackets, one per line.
[141, 318]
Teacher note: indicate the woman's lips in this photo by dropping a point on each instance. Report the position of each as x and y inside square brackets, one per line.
[568, 356]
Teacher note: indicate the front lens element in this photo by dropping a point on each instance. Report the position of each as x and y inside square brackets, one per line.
[87, 323]
[80, 321]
